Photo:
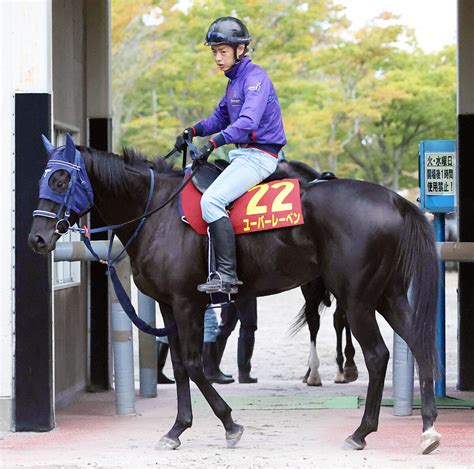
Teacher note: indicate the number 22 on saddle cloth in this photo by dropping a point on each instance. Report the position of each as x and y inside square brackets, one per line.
[266, 206]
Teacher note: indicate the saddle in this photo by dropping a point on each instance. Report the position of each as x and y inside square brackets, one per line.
[273, 204]
[210, 171]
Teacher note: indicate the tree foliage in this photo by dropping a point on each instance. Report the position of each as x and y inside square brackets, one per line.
[355, 102]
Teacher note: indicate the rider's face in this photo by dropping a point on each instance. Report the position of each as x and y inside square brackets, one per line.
[224, 56]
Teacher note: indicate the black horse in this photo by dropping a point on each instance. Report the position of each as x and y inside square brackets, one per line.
[365, 242]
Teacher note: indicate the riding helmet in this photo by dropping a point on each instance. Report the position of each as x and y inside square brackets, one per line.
[227, 30]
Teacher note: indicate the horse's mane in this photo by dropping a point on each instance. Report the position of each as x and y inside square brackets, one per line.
[114, 170]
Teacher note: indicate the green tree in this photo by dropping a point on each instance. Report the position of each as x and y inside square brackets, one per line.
[353, 102]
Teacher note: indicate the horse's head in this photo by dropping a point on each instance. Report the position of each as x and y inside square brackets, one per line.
[65, 194]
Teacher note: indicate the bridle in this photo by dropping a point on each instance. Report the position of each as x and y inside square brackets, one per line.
[79, 196]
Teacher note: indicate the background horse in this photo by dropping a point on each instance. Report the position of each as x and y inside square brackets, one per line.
[367, 244]
[317, 298]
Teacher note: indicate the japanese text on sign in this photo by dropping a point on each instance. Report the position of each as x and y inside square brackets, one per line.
[440, 173]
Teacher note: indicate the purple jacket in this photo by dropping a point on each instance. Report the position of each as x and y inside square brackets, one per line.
[249, 112]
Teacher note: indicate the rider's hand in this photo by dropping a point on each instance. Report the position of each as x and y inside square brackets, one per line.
[183, 138]
[203, 153]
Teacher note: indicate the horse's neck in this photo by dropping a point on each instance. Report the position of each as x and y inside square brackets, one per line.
[117, 207]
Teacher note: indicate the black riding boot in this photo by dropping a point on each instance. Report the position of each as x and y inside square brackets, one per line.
[162, 353]
[244, 355]
[210, 366]
[223, 240]
[221, 342]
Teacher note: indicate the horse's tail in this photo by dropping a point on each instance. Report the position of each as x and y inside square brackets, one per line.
[317, 298]
[418, 261]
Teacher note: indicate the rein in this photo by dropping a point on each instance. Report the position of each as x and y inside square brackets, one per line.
[120, 292]
[79, 198]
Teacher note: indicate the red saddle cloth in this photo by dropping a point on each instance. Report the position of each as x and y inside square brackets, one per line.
[267, 206]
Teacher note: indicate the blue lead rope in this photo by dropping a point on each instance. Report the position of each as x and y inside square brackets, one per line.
[130, 310]
[120, 292]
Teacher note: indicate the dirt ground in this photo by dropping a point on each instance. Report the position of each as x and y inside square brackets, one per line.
[281, 429]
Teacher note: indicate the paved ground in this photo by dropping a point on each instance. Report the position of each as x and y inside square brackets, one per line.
[282, 428]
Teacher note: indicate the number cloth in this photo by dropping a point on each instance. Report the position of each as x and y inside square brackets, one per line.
[267, 206]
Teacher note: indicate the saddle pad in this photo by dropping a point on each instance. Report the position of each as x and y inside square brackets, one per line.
[267, 206]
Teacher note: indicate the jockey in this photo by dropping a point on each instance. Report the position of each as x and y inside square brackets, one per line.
[249, 116]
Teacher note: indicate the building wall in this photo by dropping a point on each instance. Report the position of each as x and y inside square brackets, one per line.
[69, 64]
[25, 59]
[69, 98]
[70, 338]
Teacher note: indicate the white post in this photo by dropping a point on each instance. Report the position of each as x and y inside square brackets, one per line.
[122, 345]
[403, 374]
[147, 348]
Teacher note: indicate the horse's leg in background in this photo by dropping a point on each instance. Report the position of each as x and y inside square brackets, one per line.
[366, 330]
[184, 418]
[190, 324]
[396, 309]
[313, 293]
[345, 373]
[351, 373]
[339, 324]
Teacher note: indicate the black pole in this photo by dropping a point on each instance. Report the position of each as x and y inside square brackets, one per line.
[33, 388]
[100, 139]
[466, 269]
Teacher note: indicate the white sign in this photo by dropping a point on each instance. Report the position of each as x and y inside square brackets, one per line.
[440, 173]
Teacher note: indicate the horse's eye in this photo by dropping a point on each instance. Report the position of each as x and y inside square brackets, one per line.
[59, 181]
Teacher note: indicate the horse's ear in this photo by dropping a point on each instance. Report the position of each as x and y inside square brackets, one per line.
[70, 148]
[49, 147]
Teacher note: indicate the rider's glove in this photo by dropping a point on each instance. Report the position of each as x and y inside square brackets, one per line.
[183, 138]
[203, 153]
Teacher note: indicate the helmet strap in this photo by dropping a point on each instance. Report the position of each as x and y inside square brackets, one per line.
[238, 59]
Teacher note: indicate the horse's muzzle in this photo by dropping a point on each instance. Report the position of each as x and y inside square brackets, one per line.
[38, 244]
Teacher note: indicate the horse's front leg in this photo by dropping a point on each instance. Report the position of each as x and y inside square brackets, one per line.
[184, 418]
[190, 323]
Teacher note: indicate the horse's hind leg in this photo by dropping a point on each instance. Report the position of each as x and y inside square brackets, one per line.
[313, 293]
[351, 373]
[338, 321]
[398, 313]
[184, 417]
[346, 372]
[366, 331]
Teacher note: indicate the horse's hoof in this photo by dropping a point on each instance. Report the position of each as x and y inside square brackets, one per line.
[313, 383]
[351, 373]
[429, 440]
[351, 444]
[340, 379]
[314, 379]
[168, 443]
[233, 436]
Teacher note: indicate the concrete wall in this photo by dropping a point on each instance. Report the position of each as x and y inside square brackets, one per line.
[25, 60]
[70, 304]
[82, 87]
[70, 338]
[69, 64]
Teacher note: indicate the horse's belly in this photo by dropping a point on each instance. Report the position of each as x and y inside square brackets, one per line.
[277, 271]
